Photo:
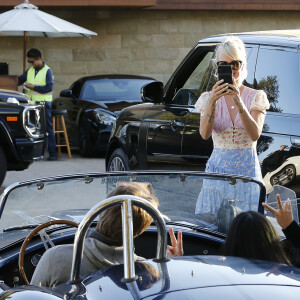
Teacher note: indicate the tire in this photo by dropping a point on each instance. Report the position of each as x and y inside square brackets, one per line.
[285, 177]
[3, 165]
[86, 148]
[118, 161]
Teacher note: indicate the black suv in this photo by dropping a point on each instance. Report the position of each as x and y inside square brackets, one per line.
[22, 132]
[164, 133]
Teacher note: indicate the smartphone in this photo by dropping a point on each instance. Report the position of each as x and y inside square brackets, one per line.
[225, 73]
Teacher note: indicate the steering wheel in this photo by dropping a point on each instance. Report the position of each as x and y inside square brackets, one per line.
[45, 238]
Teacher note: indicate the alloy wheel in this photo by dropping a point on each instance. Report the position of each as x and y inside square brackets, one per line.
[117, 165]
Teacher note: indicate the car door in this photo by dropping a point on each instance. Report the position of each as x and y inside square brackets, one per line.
[165, 129]
[166, 122]
[277, 73]
[195, 150]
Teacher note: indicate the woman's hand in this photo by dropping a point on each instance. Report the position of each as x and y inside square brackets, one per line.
[207, 118]
[283, 214]
[176, 249]
[219, 89]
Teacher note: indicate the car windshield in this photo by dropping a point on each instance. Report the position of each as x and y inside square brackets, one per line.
[111, 89]
[180, 196]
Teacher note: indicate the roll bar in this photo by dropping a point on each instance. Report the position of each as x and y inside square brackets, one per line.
[126, 202]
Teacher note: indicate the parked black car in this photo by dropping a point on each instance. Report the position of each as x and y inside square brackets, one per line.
[22, 132]
[92, 104]
[164, 134]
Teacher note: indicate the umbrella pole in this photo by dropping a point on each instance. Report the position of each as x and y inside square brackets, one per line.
[24, 51]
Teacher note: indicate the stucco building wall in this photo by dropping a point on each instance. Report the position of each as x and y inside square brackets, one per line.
[144, 42]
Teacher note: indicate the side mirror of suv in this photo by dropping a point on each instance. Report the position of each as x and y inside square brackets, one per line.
[66, 93]
[152, 92]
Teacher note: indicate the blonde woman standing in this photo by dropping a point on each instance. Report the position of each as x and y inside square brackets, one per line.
[233, 114]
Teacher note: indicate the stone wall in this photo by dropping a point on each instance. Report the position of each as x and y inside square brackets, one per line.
[140, 42]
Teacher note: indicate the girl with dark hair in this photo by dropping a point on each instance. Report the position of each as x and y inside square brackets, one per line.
[251, 235]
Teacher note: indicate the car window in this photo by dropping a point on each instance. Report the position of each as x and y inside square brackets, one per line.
[203, 76]
[251, 63]
[194, 85]
[277, 73]
[100, 89]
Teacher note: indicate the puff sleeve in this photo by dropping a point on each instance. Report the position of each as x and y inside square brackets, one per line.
[260, 102]
[201, 102]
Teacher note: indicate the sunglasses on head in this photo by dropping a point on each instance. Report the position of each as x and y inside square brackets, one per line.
[235, 64]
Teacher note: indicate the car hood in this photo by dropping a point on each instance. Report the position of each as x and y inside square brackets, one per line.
[205, 277]
[113, 105]
[195, 277]
[5, 94]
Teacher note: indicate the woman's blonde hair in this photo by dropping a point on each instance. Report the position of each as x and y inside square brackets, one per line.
[234, 48]
[110, 221]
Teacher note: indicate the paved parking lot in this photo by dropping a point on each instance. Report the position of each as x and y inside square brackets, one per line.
[63, 166]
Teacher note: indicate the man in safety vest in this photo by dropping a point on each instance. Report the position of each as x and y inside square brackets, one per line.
[38, 82]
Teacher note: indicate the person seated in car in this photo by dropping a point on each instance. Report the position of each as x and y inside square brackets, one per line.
[251, 235]
[103, 247]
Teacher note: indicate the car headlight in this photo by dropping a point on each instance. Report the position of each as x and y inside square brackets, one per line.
[104, 118]
[32, 121]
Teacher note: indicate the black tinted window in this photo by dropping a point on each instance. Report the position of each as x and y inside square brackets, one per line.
[195, 84]
[111, 89]
[277, 73]
[190, 76]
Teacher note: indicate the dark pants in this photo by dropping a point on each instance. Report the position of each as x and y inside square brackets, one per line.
[49, 130]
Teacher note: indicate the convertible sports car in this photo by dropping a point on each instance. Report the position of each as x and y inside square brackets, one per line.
[53, 207]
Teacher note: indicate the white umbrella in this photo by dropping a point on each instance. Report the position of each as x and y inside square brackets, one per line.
[27, 20]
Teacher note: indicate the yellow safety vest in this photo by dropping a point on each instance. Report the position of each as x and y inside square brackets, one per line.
[38, 80]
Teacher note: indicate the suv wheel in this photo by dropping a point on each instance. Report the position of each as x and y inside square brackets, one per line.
[118, 161]
[284, 177]
[3, 165]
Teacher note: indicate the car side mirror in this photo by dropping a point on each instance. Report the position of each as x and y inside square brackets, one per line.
[152, 92]
[66, 93]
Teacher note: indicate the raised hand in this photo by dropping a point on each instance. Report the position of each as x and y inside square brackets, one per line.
[219, 89]
[176, 249]
[283, 214]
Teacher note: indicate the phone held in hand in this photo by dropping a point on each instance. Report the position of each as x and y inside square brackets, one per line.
[225, 73]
